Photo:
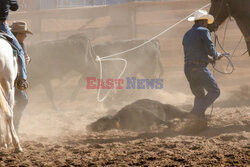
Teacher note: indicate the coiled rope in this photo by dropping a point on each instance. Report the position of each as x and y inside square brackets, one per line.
[227, 55]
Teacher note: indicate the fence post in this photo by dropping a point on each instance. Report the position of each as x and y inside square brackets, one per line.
[132, 20]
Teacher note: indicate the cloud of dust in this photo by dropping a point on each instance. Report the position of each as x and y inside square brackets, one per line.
[48, 65]
[40, 118]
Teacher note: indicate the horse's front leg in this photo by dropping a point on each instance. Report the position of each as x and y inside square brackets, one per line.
[7, 103]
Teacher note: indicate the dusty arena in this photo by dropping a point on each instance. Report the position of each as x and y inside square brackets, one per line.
[53, 131]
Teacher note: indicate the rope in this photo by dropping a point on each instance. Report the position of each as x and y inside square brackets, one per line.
[101, 76]
[107, 58]
[166, 30]
[242, 54]
[225, 32]
[237, 46]
[217, 40]
[226, 55]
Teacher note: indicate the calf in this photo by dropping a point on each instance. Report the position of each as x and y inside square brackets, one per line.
[140, 115]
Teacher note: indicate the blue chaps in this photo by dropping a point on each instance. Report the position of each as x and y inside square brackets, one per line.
[201, 79]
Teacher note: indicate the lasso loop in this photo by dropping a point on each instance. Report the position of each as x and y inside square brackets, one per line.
[101, 75]
[108, 58]
[227, 55]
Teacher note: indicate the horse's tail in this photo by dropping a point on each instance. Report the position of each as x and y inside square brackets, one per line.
[4, 106]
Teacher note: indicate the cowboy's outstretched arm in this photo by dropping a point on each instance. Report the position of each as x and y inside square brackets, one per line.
[209, 45]
[13, 5]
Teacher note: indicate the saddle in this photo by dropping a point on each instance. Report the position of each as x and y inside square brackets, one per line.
[19, 83]
[5, 36]
[9, 39]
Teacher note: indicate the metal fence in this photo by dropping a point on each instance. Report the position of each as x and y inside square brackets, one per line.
[31, 5]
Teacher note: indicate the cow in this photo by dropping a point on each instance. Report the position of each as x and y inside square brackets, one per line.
[142, 60]
[139, 115]
[54, 59]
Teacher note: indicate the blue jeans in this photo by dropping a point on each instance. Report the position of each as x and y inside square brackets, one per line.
[21, 100]
[22, 73]
[201, 79]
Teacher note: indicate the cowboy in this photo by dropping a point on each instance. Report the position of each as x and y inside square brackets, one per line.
[20, 31]
[5, 6]
[198, 48]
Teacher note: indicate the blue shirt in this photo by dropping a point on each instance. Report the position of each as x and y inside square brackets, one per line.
[5, 5]
[198, 45]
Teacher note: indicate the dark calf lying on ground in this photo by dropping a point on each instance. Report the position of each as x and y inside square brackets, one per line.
[140, 115]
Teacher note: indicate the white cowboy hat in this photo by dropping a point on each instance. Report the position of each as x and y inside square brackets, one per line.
[202, 15]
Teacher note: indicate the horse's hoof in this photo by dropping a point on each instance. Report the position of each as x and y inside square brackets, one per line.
[18, 150]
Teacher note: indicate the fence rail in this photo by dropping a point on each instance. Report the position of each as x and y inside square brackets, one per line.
[31, 5]
[119, 21]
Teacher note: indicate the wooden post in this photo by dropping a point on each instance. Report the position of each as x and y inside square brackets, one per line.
[132, 20]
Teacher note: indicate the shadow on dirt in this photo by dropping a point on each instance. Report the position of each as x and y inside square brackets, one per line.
[209, 132]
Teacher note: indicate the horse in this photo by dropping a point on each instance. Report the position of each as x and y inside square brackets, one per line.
[8, 73]
[239, 10]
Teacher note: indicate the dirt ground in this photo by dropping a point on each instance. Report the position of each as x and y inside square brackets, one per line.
[52, 137]
[224, 143]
